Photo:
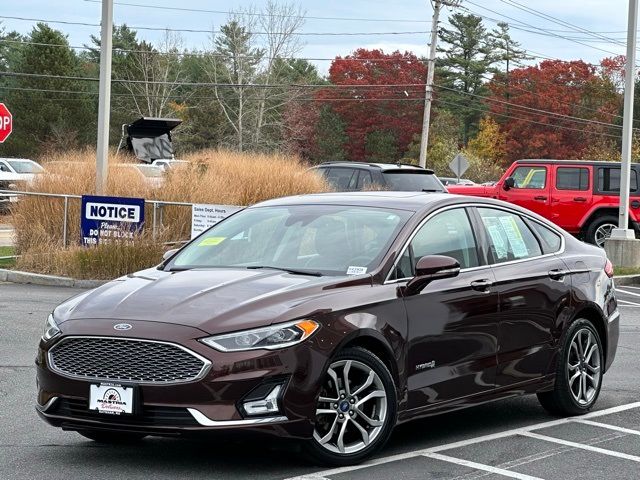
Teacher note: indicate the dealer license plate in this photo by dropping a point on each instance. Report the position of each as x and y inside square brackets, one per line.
[111, 399]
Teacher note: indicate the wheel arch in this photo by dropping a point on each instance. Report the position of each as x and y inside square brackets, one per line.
[590, 217]
[595, 317]
[378, 345]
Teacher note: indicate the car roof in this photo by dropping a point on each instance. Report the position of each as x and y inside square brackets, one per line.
[413, 201]
[568, 162]
[382, 166]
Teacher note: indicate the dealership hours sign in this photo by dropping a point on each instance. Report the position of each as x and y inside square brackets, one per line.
[108, 219]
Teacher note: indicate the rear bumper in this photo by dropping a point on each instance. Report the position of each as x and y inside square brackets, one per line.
[613, 334]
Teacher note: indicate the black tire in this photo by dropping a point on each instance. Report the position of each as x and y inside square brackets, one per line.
[320, 454]
[561, 400]
[590, 233]
[114, 438]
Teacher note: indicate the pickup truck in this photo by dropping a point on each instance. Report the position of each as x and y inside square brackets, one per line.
[580, 196]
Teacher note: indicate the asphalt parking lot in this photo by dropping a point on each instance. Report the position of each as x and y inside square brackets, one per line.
[514, 438]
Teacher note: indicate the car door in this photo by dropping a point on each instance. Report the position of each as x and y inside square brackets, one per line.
[570, 195]
[533, 286]
[452, 323]
[530, 190]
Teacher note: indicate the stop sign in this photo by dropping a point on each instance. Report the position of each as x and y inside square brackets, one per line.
[6, 122]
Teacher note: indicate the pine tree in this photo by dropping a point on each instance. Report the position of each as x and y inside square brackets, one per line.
[468, 57]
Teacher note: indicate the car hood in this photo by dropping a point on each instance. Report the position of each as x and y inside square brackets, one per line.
[213, 300]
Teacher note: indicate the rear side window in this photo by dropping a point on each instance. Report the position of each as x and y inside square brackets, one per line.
[609, 180]
[549, 239]
[411, 181]
[509, 236]
[365, 181]
[570, 178]
[530, 177]
[342, 179]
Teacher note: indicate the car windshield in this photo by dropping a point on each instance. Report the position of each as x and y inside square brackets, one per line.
[412, 181]
[25, 166]
[313, 239]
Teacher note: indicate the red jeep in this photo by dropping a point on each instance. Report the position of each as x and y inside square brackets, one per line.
[580, 196]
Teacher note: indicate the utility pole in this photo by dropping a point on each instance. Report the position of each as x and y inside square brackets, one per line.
[428, 89]
[104, 98]
[623, 232]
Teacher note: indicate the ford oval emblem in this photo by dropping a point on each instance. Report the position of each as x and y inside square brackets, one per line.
[122, 326]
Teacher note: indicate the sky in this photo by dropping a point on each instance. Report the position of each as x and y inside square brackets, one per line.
[564, 35]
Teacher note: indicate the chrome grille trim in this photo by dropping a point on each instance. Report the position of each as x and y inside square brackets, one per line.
[206, 364]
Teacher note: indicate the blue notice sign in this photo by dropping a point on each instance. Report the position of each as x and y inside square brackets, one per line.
[108, 219]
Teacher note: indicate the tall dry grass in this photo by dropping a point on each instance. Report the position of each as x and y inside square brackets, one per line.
[213, 176]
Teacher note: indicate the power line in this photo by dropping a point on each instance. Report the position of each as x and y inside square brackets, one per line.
[513, 117]
[532, 109]
[552, 34]
[258, 14]
[194, 54]
[211, 31]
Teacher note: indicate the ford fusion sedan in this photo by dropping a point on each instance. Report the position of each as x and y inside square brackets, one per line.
[332, 318]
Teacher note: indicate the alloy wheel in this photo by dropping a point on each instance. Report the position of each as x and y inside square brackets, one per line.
[352, 408]
[583, 367]
[602, 233]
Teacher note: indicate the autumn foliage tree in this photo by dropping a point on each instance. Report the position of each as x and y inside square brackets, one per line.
[582, 103]
[380, 117]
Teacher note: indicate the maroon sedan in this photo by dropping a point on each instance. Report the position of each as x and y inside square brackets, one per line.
[332, 318]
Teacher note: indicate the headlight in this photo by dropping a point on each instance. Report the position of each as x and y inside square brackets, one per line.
[50, 329]
[275, 336]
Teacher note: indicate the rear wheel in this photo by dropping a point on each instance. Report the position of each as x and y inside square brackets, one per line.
[578, 373]
[356, 410]
[104, 436]
[600, 229]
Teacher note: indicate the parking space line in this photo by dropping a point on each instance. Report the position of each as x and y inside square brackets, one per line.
[580, 446]
[323, 474]
[627, 303]
[627, 293]
[480, 466]
[606, 425]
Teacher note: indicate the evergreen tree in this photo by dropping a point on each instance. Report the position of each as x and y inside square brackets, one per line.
[331, 138]
[44, 117]
[468, 57]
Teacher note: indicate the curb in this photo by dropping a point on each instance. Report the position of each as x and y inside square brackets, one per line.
[15, 276]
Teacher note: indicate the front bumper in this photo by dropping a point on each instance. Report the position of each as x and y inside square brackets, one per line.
[213, 402]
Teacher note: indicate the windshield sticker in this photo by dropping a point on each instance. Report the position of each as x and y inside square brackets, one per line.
[356, 270]
[211, 241]
[518, 247]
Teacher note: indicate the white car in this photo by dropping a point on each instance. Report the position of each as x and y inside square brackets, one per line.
[152, 175]
[15, 172]
[19, 170]
[168, 163]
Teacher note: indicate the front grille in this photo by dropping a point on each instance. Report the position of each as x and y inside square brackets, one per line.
[125, 360]
[149, 416]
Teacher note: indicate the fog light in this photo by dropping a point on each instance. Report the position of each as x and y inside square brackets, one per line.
[268, 404]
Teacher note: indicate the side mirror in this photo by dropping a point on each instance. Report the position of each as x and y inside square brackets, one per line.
[429, 268]
[169, 253]
[509, 182]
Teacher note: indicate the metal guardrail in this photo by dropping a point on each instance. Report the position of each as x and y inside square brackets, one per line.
[157, 207]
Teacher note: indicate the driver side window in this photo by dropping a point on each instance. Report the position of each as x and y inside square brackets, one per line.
[448, 233]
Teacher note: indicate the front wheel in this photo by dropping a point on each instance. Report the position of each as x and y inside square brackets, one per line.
[578, 374]
[356, 409]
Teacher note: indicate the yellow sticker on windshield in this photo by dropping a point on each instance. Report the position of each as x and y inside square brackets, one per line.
[208, 242]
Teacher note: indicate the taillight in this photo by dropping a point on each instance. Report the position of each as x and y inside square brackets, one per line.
[608, 268]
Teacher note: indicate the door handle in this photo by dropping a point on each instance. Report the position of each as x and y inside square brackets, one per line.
[481, 285]
[540, 197]
[558, 274]
[579, 199]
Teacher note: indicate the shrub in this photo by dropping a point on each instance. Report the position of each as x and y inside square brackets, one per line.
[213, 176]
